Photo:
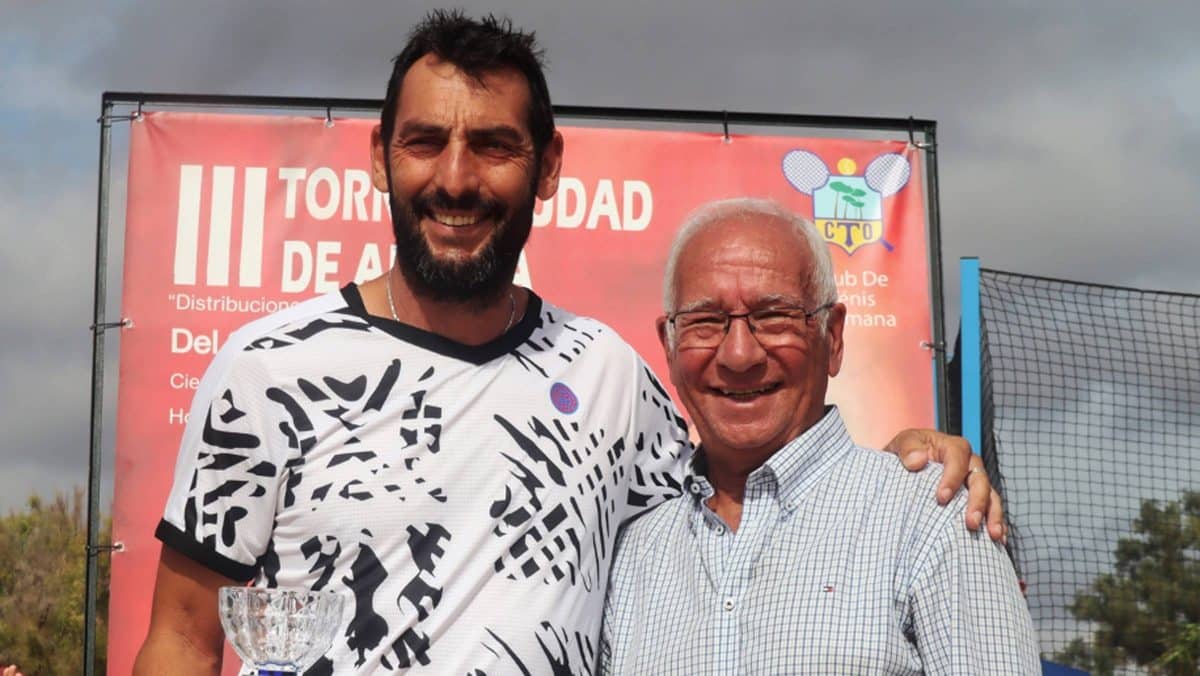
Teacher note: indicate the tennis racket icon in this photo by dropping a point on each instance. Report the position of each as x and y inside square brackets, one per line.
[885, 174]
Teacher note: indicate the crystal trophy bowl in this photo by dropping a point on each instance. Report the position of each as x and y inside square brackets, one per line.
[279, 630]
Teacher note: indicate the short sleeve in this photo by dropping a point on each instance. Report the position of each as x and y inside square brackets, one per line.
[221, 508]
[659, 437]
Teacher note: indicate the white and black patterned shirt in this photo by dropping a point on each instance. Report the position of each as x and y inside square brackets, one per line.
[465, 499]
[843, 563]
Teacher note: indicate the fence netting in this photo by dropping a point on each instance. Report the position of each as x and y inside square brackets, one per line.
[1091, 400]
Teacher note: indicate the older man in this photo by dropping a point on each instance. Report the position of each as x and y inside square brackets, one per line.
[447, 450]
[791, 549]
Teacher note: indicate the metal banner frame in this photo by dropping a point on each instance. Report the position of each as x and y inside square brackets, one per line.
[921, 133]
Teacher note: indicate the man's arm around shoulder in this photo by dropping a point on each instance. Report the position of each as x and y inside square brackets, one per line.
[185, 630]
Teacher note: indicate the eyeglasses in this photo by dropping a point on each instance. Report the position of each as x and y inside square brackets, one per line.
[772, 327]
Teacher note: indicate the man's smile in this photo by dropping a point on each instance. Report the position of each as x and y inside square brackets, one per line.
[745, 393]
[456, 220]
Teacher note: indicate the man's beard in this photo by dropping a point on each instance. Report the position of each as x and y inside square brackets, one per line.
[479, 280]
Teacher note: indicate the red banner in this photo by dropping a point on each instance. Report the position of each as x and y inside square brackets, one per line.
[231, 217]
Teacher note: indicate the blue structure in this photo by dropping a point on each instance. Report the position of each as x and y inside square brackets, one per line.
[970, 350]
[1052, 669]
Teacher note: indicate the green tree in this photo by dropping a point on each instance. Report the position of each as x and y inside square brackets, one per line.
[854, 203]
[1147, 611]
[42, 567]
[843, 190]
[858, 194]
[1183, 651]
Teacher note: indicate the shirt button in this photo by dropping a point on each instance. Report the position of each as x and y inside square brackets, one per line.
[695, 487]
[728, 605]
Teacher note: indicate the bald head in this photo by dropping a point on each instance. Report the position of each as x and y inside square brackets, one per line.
[743, 210]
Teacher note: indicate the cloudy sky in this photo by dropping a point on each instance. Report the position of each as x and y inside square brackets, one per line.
[1069, 132]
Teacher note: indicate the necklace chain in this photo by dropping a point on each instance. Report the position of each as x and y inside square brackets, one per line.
[512, 305]
[391, 303]
[512, 312]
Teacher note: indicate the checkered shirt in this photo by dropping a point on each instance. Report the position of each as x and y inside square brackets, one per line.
[843, 563]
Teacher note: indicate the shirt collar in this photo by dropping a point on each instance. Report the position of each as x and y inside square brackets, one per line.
[797, 466]
[803, 460]
[695, 482]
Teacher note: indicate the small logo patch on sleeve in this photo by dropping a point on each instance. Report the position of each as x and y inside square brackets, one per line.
[563, 398]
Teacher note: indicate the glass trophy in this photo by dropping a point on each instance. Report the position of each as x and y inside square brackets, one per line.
[279, 631]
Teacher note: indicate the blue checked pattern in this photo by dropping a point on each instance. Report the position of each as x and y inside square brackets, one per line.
[843, 563]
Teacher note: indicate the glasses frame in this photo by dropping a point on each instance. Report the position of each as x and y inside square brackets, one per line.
[748, 316]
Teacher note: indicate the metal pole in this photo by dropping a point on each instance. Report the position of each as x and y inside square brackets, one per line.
[597, 112]
[98, 329]
[942, 394]
[969, 351]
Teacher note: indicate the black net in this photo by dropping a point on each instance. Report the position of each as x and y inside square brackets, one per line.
[1091, 408]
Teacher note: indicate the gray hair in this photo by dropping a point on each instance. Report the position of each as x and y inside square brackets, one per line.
[744, 209]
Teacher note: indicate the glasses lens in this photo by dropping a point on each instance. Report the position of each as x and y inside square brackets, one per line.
[772, 327]
[777, 322]
[779, 327]
[700, 329]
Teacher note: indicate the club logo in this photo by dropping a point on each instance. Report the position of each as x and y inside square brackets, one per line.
[563, 398]
[848, 208]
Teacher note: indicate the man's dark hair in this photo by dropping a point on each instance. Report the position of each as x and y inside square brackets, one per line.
[476, 48]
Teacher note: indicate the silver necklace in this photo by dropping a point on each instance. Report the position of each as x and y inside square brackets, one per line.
[512, 305]
[391, 303]
[512, 312]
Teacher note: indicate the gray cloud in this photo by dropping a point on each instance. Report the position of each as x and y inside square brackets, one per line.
[45, 360]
